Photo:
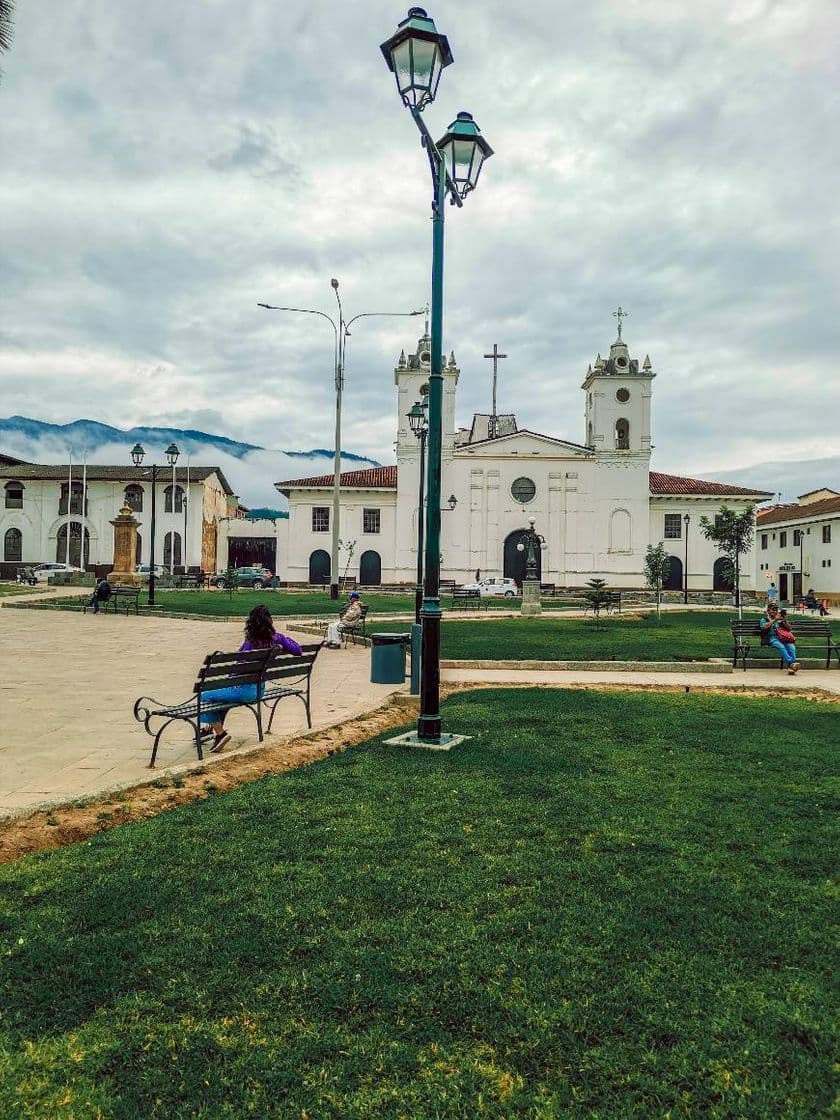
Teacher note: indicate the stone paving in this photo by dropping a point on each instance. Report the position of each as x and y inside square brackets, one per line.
[68, 682]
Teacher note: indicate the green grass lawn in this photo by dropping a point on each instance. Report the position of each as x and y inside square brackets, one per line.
[20, 588]
[679, 636]
[602, 905]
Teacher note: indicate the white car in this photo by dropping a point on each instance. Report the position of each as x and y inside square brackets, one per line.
[495, 587]
[42, 572]
[144, 570]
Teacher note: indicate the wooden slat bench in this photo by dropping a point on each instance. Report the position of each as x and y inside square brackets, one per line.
[811, 633]
[275, 673]
[120, 594]
[464, 598]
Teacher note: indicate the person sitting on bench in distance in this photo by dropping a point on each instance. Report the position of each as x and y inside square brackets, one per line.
[773, 630]
[352, 614]
[101, 594]
[259, 634]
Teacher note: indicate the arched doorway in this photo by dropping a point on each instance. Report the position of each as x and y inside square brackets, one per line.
[674, 579]
[722, 574]
[13, 545]
[168, 559]
[515, 561]
[75, 545]
[319, 566]
[370, 568]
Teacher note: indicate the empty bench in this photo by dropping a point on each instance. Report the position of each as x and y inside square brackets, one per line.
[275, 674]
[464, 598]
[810, 633]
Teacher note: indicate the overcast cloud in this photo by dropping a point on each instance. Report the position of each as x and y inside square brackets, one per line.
[166, 166]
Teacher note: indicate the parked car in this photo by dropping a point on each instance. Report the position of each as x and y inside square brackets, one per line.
[494, 587]
[42, 572]
[144, 570]
[254, 576]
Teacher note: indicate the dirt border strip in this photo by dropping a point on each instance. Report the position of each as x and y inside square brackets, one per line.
[75, 822]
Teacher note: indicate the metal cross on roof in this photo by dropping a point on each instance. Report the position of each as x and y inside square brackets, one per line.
[620, 315]
[496, 356]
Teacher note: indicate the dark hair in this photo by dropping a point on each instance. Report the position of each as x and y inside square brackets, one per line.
[259, 626]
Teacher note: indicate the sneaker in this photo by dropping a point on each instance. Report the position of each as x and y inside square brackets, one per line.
[795, 667]
[221, 740]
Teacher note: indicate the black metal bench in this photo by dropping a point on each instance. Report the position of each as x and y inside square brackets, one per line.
[548, 590]
[351, 631]
[811, 633]
[610, 604]
[120, 594]
[275, 673]
[464, 598]
[190, 580]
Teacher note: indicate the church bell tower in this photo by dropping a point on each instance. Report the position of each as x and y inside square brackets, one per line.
[618, 396]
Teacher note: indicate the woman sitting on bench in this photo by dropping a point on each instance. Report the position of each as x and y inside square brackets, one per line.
[775, 632]
[259, 634]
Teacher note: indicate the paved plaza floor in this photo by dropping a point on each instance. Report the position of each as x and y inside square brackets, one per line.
[68, 682]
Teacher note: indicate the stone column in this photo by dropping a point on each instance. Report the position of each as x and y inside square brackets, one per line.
[531, 597]
[125, 548]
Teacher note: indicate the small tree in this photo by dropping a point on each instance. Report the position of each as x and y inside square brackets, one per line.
[231, 580]
[733, 534]
[657, 567]
[597, 596]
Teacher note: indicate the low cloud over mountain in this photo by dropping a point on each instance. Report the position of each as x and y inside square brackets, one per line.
[250, 469]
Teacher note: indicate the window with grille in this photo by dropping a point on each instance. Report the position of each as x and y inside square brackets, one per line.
[826, 534]
[320, 519]
[13, 545]
[179, 500]
[673, 526]
[134, 498]
[370, 520]
[797, 538]
[764, 540]
[782, 540]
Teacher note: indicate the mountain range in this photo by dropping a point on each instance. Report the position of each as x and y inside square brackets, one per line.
[251, 469]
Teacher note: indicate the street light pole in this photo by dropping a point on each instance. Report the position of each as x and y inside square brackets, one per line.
[420, 426]
[137, 454]
[416, 54]
[687, 520]
[341, 330]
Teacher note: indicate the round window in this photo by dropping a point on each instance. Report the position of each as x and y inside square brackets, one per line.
[426, 356]
[621, 361]
[523, 490]
[623, 395]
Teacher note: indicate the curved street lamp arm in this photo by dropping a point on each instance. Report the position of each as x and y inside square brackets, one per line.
[381, 314]
[310, 311]
[435, 160]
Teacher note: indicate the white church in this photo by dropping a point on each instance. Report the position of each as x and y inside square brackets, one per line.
[597, 503]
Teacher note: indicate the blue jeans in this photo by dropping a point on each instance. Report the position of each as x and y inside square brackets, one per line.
[787, 650]
[238, 693]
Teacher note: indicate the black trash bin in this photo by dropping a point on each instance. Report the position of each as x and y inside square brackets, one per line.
[387, 658]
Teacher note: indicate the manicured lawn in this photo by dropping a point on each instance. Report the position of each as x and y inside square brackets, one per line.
[680, 636]
[19, 589]
[602, 905]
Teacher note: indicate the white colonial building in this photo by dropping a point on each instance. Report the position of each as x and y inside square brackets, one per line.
[798, 547]
[41, 504]
[597, 503]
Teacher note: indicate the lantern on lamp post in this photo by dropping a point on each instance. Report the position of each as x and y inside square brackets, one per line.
[137, 456]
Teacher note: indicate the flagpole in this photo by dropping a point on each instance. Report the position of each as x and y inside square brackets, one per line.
[82, 563]
[186, 517]
[69, 503]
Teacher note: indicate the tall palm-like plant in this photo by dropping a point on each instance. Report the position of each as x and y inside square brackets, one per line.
[6, 8]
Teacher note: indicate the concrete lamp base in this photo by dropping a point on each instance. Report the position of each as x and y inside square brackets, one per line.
[410, 739]
[531, 604]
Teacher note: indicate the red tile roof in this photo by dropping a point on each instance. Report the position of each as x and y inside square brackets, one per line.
[661, 484]
[793, 511]
[372, 478]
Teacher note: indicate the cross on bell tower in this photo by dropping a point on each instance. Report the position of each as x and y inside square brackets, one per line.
[620, 315]
[494, 422]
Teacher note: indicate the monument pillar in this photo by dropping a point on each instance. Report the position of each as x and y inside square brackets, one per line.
[125, 548]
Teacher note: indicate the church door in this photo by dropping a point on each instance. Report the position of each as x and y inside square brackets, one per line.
[674, 580]
[370, 569]
[319, 566]
[515, 560]
[722, 574]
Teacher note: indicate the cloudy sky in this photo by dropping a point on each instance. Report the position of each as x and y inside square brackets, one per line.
[166, 166]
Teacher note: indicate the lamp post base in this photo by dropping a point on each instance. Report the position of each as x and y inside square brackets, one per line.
[531, 604]
[333, 591]
[412, 739]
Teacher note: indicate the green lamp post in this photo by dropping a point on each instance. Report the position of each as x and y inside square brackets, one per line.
[416, 54]
[137, 456]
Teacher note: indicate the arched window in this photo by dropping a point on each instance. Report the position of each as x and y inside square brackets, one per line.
[13, 545]
[179, 500]
[622, 435]
[722, 574]
[14, 495]
[620, 531]
[319, 566]
[370, 568]
[134, 497]
[168, 559]
[75, 545]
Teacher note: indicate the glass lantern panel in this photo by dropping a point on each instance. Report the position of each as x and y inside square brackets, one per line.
[401, 57]
[462, 157]
[425, 62]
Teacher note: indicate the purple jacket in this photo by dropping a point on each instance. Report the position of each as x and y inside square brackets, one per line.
[288, 644]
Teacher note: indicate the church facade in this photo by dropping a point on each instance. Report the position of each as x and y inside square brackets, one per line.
[597, 504]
